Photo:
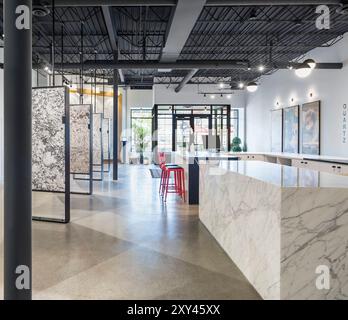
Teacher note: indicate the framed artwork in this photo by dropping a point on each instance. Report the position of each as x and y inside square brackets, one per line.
[277, 130]
[310, 128]
[291, 129]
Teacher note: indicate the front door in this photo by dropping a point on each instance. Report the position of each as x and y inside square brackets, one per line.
[189, 131]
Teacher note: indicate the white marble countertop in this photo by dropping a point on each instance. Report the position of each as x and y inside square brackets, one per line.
[280, 175]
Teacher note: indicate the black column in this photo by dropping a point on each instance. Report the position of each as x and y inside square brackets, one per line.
[17, 149]
[115, 126]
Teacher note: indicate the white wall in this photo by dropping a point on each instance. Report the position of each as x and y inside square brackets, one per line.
[164, 94]
[328, 86]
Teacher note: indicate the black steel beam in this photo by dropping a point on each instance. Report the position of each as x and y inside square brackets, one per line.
[97, 3]
[17, 150]
[115, 127]
[184, 65]
[180, 64]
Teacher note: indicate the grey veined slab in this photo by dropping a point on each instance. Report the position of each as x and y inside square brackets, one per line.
[48, 143]
[288, 238]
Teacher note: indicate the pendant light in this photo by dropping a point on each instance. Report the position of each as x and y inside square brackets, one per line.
[312, 64]
[252, 86]
[303, 70]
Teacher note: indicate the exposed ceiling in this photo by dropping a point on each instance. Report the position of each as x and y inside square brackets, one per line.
[268, 35]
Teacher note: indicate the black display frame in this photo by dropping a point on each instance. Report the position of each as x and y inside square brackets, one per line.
[109, 149]
[101, 165]
[90, 174]
[67, 198]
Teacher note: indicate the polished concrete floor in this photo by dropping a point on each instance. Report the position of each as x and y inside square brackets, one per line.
[124, 243]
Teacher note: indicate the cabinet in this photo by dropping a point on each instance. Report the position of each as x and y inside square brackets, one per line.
[334, 168]
[254, 157]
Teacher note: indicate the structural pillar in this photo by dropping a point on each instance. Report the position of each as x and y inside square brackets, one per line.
[17, 149]
[115, 126]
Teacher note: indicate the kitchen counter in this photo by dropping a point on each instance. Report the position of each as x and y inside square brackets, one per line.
[280, 225]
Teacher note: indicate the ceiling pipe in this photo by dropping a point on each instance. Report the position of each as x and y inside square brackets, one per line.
[186, 80]
[130, 3]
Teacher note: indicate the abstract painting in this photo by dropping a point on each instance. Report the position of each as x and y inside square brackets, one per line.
[310, 128]
[80, 139]
[277, 130]
[291, 129]
[48, 138]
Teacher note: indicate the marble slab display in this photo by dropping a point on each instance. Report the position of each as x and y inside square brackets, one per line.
[48, 140]
[80, 139]
[106, 138]
[281, 236]
[97, 139]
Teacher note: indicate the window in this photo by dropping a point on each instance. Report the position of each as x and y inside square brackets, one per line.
[141, 122]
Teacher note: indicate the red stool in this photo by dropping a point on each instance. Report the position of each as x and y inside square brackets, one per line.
[179, 182]
[163, 166]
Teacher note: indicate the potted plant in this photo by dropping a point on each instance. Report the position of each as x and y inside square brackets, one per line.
[141, 133]
[236, 142]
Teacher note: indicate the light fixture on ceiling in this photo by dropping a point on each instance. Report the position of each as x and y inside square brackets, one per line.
[261, 68]
[40, 11]
[253, 15]
[312, 64]
[47, 68]
[229, 96]
[204, 95]
[252, 86]
[241, 85]
[221, 85]
[303, 70]
[212, 96]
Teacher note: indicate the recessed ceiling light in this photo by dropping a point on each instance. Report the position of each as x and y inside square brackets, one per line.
[261, 68]
[241, 85]
[221, 85]
[229, 96]
[212, 96]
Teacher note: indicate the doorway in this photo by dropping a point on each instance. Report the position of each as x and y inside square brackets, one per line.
[189, 132]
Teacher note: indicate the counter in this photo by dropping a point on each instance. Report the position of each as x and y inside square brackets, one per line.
[281, 225]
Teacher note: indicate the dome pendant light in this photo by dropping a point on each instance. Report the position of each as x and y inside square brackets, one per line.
[312, 64]
[252, 86]
[303, 71]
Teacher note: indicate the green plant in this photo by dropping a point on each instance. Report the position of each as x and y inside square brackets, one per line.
[236, 142]
[141, 134]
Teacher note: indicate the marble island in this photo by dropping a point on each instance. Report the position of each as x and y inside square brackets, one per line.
[281, 225]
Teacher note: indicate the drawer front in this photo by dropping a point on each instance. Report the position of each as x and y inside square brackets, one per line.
[250, 157]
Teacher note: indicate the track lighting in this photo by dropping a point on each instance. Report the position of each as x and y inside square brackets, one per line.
[252, 86]
[303, 71]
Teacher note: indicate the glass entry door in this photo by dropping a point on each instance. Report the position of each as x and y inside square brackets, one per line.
[189, 132]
